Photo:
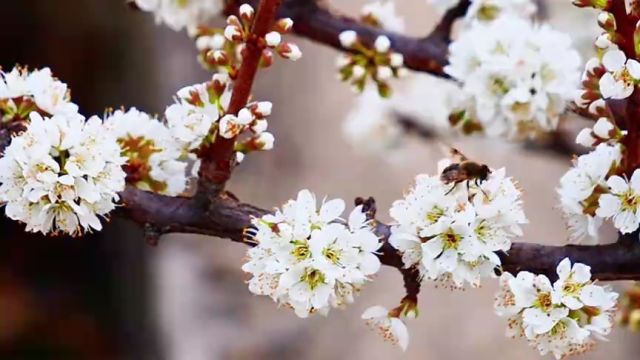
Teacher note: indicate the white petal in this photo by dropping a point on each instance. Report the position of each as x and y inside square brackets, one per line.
[399, 329]
[332, 209]
[374, 312]
[617, 184]
[614, 59]
[634, 68]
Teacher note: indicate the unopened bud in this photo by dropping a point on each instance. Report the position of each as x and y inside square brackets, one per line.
[233, 33]
[246, 13]
[289, 51]
[273, 39]
[283, 25]
[382, 44]
[266, 58]
[348, 38]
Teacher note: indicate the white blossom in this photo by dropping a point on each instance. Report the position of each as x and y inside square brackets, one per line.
[517, 77]
[452, 234]
[190, 119]
[621, 76]
[180, 14]
[61, 174]
[155, 160]
[561, 319]
[621, 204]
[370, 125]
[580, 188]
[390, 327]
[22, 91]
[310, 259]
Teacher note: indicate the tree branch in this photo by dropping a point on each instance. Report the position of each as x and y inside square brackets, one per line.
[313, 21]
[218, 158]
[227, 217]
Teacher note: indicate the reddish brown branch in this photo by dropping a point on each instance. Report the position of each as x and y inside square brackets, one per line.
[227, 217]
[315, 22]
[218, 158]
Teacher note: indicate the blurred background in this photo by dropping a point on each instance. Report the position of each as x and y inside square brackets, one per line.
[111, 296]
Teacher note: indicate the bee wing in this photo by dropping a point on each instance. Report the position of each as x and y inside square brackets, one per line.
[456, 155]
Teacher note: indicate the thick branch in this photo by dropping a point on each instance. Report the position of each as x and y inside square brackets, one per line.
[227, 217]
[313, 21]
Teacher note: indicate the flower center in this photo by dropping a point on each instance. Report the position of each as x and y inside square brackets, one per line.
[313, 278]
[434, 215]
[630, 201]
[301, 250]
[451, 239]
[544, 301]
[332, 254]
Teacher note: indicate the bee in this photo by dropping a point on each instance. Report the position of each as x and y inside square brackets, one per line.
[464, 170]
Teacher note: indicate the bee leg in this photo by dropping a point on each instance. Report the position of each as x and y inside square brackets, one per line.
[453, 187]
[481, 189]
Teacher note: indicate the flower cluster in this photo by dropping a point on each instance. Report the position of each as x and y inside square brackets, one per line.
[582, 188]
[238, 30]
[200, 113]
[517, 77]
[216, 53]
[609, 75]
[180, 14]
[380, 63]
[61, 174]
[562, 318]
[22, 92]
[307, 258]
[451, 232]
[197, 110]
[154, 160]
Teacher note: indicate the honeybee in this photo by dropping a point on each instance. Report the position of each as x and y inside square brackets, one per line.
[464, 170]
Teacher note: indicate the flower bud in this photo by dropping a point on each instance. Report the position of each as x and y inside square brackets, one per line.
[382, 44]
[273, 39]
[283, 25]
[585, 138]
[233, 33]
[289, 51]
[265, 141]
[246, 12]
[396, 60]
[348, 38]
[603, 128]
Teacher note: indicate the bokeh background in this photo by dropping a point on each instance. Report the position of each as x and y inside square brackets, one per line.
[111, 296]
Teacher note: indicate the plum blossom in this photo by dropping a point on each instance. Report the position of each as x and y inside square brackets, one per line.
[61, 174]
[388, 324]
[452, 234]
[621, 203]
[154, 159]
[582, 186]
[621, 76]
[309, 259]
[23, 91]
[181, 14]
[562, 319]
[517, 77]
[197, 109]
